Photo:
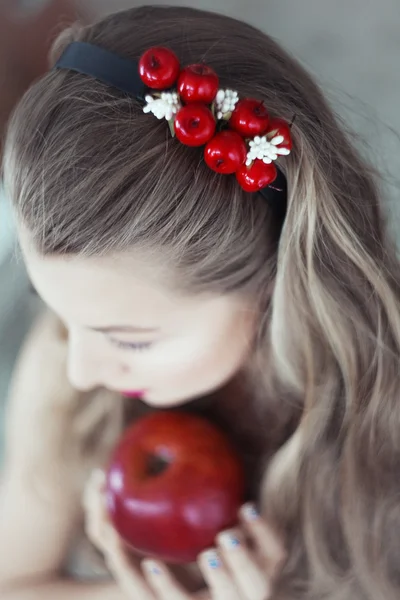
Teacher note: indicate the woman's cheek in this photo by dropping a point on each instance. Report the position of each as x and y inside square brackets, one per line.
[177, 359]
[198, 367]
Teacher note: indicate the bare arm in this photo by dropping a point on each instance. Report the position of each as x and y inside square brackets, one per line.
[37, 524]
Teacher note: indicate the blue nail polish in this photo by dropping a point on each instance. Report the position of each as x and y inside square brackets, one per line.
[250, 512]
[229, 541]
[153, 568]
[213, 560]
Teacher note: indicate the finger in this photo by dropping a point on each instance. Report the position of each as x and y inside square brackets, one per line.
[162, 582]
[268, 544]
[251, 581]
[128, 577]
[94, 487]
[97, 518]
[217, 577]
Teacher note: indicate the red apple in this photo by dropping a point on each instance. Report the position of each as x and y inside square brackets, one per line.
[194, 125]
[159, 68]
[198, 83]
[225, 152]
[173, 483]
[257, 176]
[280, 127]
[250, 118]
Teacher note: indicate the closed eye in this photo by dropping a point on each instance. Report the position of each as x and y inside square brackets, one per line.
[136, 347]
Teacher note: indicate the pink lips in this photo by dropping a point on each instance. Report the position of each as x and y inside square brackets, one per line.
[134, 393]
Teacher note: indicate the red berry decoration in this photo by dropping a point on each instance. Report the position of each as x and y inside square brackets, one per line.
[198, 83]
[256, 176]
[250, 118]
[226, 152]
[159, 68]
[194, 125]
[280, 127]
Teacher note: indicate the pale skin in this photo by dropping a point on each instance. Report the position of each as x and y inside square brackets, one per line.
[195, 346]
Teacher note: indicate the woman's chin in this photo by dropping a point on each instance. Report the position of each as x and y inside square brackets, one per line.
[159, 402]
[154, 400]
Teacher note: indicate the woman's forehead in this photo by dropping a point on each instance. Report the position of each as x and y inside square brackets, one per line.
[98, 289]
[101, 292]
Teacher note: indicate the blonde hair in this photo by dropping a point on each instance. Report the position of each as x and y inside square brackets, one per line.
[90, 174]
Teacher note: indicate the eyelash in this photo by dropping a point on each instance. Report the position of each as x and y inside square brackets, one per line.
[141, 347]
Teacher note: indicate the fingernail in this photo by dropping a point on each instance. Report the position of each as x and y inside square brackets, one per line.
[213, 559]
[229, 540]
[249, 512]
[152, 567]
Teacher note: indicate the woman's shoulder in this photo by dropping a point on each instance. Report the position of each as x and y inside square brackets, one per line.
[46, 416]
[39, 381]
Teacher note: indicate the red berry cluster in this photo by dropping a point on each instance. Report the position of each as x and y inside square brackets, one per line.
[195, 124]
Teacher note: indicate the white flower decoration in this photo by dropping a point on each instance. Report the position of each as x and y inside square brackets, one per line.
[266, 150]
[163, 107]
[225, 102]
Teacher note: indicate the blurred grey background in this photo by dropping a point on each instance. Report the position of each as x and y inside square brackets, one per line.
[352, 47]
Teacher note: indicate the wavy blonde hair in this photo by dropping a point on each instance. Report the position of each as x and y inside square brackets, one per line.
[90, 174]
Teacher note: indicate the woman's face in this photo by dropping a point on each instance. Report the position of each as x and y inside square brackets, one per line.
[129, 334]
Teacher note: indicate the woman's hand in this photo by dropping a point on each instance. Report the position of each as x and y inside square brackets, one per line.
[231, 570]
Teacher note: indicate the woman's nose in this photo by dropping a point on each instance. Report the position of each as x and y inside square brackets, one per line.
[88, 366]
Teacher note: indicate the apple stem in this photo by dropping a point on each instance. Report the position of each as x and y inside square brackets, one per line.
[154, 63]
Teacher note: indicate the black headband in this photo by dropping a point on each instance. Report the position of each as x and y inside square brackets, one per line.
[123, 74]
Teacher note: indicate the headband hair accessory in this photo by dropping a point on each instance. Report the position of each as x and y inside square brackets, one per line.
[238, 135]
